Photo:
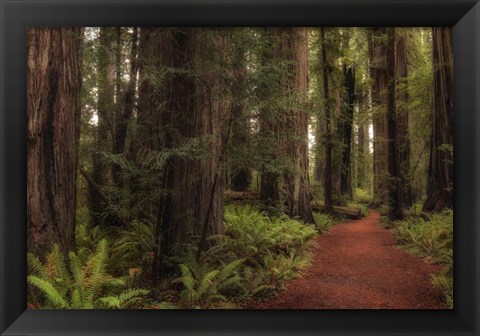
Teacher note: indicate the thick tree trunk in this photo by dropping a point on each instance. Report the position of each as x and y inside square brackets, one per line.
[378, 73]
[154, 121]
[328, 187]
[211, 123]
[296, 128]
[440, 173]
[53, 83]
[401, 73]
[394, 187]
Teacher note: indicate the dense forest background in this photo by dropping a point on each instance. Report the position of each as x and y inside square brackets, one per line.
[188, 167]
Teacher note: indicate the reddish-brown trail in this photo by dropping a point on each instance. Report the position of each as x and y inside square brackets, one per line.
[357, 265]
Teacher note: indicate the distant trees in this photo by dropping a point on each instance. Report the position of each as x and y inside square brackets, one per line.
[53, 83]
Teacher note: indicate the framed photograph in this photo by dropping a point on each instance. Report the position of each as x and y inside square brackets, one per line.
[239, 167]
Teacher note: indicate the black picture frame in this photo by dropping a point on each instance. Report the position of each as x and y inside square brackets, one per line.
[17, 15]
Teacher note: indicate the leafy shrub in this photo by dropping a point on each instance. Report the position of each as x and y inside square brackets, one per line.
[432, 239]
[363, 196]
[364, 210]
[133, 248]
[272, 247]
[252, 235]
[323, 222]
[82, 285]
[444, 282]
[203, 287]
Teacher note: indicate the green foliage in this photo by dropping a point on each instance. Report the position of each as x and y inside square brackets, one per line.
[133, 248]
[252, 235]
[433, 240]
[203, 287]
[364, 210]
[82, 285]
[323, 221]
[444, 282]
[273, 248]
[362, 196]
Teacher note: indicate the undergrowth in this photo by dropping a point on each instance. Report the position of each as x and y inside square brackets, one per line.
[433, 240]
[254, 258]
[82, 284]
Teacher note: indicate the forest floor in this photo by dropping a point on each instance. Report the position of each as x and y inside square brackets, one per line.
[357, 265]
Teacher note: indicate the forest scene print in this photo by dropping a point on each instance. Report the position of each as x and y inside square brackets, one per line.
[240, 168]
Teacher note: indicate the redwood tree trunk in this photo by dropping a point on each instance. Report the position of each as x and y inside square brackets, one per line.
[328, 185]
[401, 73]
[378, 73]
[296, 128]
[53, 83]
[440, 173]
[346, 125]
[394, 185]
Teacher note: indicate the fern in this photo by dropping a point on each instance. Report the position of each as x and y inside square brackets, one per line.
[124, 299]
[49, 290]
[83, 285]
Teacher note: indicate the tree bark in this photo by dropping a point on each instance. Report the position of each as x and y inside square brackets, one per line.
[53, 83]
[327, 189]
[296, 128]
[394, 187]
[401, 73]
[378, 73]
[346, 125]
[440, 173]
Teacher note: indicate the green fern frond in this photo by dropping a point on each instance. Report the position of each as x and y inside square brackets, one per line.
[49, 290]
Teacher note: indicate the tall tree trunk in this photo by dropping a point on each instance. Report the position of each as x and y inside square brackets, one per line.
[53, 83]
[241, 174]
[346, 126]
[378, 73]
[401, 73]
[154, 120]
[327, 189]
[104, 129]
[440, 172]
[362, 140]
[126, 107]
[211, 123]
[394, 186]
[270, 177]
[296, 127]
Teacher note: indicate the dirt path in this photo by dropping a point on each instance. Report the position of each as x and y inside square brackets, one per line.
[357, 265]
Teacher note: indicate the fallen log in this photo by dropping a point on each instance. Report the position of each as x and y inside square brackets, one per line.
[239, 196]
[351, 213]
